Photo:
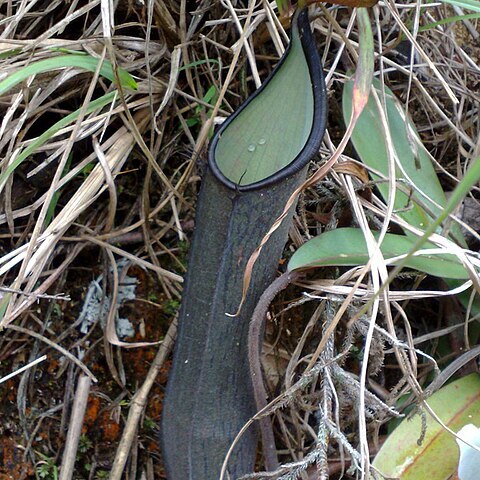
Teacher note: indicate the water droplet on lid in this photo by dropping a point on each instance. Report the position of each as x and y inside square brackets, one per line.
[251, 148]
[262, 141]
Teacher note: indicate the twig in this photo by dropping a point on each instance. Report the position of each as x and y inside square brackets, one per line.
[75, 428]
[54, 345]
[20, 370]
[42, 296]
[138, 404]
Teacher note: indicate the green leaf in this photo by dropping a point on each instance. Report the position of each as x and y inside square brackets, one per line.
[283, 6]
[79, 61]
[50, 132]
[418, 175]
[10, 53]
[265, 137]
[197, 63]
[56, 195]
[469, 4]
[347, 247]
[446, 21]
[436, 458]
[362, 82]
[210, 94]
[369, 141]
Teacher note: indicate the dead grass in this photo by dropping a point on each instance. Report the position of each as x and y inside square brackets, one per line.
[122, 181]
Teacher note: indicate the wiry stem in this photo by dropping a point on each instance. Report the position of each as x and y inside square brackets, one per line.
[255, 336]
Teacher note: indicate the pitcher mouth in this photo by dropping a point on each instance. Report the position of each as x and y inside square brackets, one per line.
[243, 144]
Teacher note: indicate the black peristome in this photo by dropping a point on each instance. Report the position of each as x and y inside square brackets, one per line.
[320, 109]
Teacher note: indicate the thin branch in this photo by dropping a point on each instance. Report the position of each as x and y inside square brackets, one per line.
[75, 428]
[138, 404]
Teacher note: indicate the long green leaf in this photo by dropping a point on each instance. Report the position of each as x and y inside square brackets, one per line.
[362, 82]
[446, 21]
[79, 61]
[347, 247]
[469, 4]
[416, 175]
[436, 458]
[369, 140]
[50, 132]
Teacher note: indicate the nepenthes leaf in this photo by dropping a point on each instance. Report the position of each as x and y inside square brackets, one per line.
[436, 457]
[347, 247]
[419, 197]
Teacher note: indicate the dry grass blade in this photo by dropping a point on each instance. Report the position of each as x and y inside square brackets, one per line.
[56, 347]
[89, 191]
